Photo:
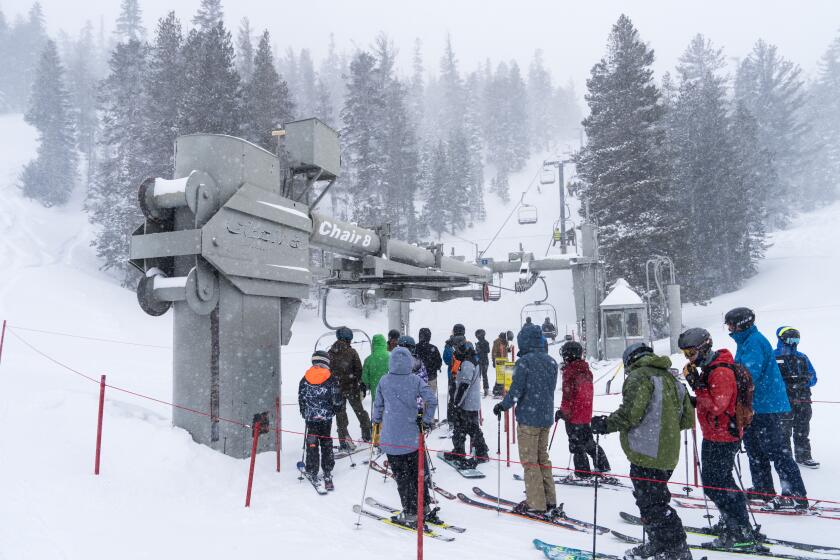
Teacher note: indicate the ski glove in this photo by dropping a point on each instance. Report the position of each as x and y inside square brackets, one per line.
[599, 425]
[692, 376]
[559, 416]
[497, 410]
[364, 390]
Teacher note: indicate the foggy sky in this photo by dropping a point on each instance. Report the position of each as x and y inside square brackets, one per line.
[571, 34]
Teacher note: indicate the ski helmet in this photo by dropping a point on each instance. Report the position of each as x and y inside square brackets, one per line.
[740, 318]
[571, 351]
[788, 335]
[406, 342]
[343, 333]
[459, 330]
[321, 358]
[480, 333]
[696, 344]
[393, 334]
[634, 352]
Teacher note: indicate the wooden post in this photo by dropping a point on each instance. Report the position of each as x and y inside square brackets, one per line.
[99, 424]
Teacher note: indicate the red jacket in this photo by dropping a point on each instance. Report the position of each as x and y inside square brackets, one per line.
[716, 399]
[577, 392]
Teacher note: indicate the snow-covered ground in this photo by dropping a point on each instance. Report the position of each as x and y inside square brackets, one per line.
[162, 496]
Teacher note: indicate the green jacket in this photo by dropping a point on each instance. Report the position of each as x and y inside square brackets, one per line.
[376, 365]
[655, 408]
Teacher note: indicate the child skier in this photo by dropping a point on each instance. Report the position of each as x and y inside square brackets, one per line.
[319, 398]
[576, 411]
[799, 376]
[467, 403]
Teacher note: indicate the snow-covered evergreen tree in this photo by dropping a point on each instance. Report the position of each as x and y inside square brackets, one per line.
[436, 177]
[307, 98]
[82, 83]
[51, 176]
[245, 51]
[112, 198]
[164, 88]
[620, 168]
[211, 100]
[209, 15]
[505, 119]
[267, 104]
[130, 22]
[541, 122]
[21, 56]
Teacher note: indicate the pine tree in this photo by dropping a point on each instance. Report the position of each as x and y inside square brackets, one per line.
[541, 122]
[112, 199]
[82, 81]
[24, 45]
[500, 184]
[331, 72]
[51, 176]
[163, 89]
[306, 74]
[130, 22]
[209, 15]
[506, 119]
[622, 177]
[324, 104]
[266, 98]
[771, 89]
[211, 100]
[244, 51]
[438, 174]
[416, 87]
[452, 90]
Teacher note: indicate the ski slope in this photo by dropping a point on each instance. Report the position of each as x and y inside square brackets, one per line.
[162, 496]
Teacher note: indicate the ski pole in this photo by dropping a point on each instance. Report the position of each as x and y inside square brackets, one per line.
[499, 465]
[746, 497]
[697, 466]
[364, 488]
[551, 442]
[595, 508]
[303, 451]
[687, 488]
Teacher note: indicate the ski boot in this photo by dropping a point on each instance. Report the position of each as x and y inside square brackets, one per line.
[679, 552]
[328, 482]
[787, 502]
[347, 445]
[809, 463]
[738, 538]
[759, 495]
[523, 509]
[642, 551]
[554, 512]
[432, 516]
[405, 519]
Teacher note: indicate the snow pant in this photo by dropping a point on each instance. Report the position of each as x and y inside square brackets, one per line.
[319, 443]
[405, 473]
[798, 425]
[765, 442]
[485, 382]
[661, 522]
[533, 453]
[355, 400]
[718, 460]
[468, 423]
[581, 444]
[450, 402]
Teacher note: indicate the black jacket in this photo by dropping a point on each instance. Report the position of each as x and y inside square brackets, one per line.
[482, 350]
[429, 354]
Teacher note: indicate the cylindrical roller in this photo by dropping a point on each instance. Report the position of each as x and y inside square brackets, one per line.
[460, 267]
[405, 253]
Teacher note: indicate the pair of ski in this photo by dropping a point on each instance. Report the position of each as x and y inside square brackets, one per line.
[707, 532]
[321, 486]
[763, 509]
[427, 531]
[606, 482]
[387, 472]
[496, 504]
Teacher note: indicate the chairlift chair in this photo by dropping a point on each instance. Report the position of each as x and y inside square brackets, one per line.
[538, 311]
[356, 341]
[527, 214]
[548, 175]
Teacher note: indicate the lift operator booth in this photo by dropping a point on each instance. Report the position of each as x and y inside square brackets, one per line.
[226, 244]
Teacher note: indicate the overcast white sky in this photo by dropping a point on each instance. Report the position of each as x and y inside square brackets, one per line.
[572, 34]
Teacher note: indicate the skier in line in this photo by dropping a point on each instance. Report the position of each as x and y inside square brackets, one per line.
[375, 366]
[319, 398]
[417, 368]
[764, 440]
[500, 350]
[710, 374]
[395, 409]
[482, 350]
[799, 376]
[532, 390]
[347, 367]
[654, 408]
[457, 330]
[393, 338]
[467, 404]
[576, 410]
[429, 354]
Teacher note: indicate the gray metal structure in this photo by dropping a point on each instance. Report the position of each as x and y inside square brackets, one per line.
[660, 269]
[226, 243]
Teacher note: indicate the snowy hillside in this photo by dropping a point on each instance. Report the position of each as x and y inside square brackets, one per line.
[162, 496]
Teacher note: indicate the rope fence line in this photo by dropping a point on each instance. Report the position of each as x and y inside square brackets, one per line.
[295, 432]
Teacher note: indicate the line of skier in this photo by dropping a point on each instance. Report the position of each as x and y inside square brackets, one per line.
[759, 396]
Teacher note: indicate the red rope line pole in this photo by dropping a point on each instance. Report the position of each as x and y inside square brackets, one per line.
[253, 461]
[99, 425]
[421, 491]
[2, 338]
[277, 431]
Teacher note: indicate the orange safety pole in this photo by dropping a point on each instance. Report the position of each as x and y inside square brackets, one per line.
[99, 424]
[253, 460]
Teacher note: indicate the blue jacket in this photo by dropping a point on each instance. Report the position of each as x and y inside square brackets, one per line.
[756, 354]
[448, 352]
[395, 406]
[783, 350]
[534, 381]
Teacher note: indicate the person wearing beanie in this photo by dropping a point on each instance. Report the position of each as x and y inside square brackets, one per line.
[393, 338]
[395, 410]
[319, 398]
[429, 354]
[347, 367]
[482, 350]
[375, 366]
[457, 330]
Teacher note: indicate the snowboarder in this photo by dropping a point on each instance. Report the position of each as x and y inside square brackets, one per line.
[429, 354]
[500, 351]
[375, 366]
[393, 337]
[467, 404]
[799, 376]
[482, 350]
[319, 397]
[347, 368]
[549, 330]
[395, 408]
[532, 390]
[764, 440]
[711, 375]
[457, 330]
[576, 410]
[655, 407]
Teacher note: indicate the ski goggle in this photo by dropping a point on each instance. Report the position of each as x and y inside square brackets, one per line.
[791, 340]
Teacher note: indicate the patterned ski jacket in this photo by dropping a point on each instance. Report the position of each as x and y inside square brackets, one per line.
[797, 371]
[318, 394]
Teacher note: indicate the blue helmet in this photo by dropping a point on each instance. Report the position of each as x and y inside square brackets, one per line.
[343, 333]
